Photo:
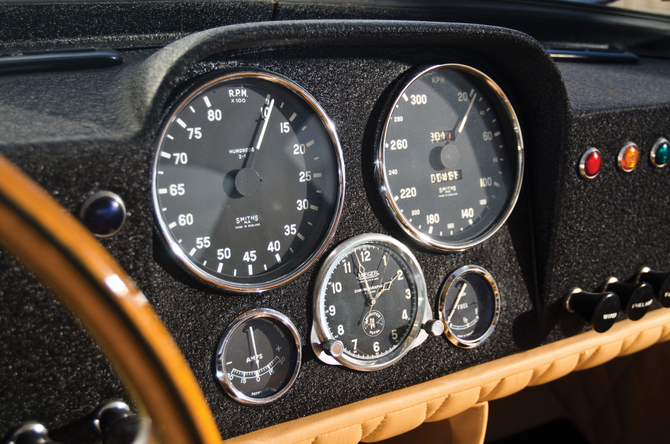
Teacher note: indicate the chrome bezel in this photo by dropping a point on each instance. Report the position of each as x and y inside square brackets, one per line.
[115, 197]
[582, 163]
[453, 278]
[619, 161]
[652, 154]
[320, 330]
[183, 259]
[511, 126]
[223, 346]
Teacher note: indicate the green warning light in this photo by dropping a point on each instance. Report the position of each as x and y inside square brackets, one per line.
[660, 153]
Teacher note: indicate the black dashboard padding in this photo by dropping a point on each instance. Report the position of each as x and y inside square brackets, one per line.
[78, 133]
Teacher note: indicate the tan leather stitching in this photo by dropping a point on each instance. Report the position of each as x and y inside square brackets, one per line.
[457, 392]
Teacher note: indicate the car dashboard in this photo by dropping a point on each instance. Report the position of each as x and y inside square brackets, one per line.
[80, 132]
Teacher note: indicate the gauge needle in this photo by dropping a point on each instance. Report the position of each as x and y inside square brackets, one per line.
[467, 113]
[458, 299]
[266, 112]
[266, 116]
[250, 333]
[361, 271]
[386, 286]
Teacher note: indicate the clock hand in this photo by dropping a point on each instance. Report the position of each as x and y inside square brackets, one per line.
[361, 271]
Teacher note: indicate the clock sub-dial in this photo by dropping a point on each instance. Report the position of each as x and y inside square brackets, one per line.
[469, 306]
[369, 304]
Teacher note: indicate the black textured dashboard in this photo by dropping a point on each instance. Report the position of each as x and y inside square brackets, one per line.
[78, 132]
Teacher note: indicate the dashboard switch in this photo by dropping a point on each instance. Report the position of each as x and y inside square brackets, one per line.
[636, 298]
[660, 281]
[31, 433]
[600, 309]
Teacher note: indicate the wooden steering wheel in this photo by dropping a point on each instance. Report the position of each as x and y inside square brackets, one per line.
[65, 255]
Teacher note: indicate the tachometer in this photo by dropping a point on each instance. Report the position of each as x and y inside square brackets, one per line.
[248, 181]
[450, 160]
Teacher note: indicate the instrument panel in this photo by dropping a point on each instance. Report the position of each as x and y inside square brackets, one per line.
[529, 257]
[248, 188]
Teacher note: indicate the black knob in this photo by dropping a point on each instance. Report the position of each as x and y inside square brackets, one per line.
[32, 433]
[635, 298]
[600, 309]
[118, 424]
[660, 281]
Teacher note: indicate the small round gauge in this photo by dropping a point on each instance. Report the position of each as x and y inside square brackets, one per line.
[370, 300]
[258, 357]
[469, 306]
[248, 181]
[450, 160]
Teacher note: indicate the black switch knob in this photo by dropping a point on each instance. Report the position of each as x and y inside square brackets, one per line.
[600, 309]
[660, 281]
[118, 424]
[32, 433]
[635, 298]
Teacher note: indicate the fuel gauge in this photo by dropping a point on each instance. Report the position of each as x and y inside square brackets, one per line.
[469, 306]
[258, 357]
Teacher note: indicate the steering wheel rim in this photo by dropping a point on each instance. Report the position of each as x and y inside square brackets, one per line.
[66, 256]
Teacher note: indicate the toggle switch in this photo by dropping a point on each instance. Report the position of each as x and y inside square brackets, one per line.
[636, 298]
[660, 281]
[599, 309]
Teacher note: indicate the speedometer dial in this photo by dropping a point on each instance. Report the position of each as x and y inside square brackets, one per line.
[248, 181]
[450, 160]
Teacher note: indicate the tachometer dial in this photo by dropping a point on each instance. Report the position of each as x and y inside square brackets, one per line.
[258, 357]
[369, 303]
[450, 160]
[248, 181]
[469, 306]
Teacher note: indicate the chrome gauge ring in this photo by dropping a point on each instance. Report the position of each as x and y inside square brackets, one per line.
[369, 303]
[450, 160]
[248, 181]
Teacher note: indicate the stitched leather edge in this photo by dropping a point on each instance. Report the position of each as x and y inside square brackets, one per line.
[450, 395]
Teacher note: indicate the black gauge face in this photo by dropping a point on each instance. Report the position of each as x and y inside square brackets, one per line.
[258, 357]
[370, 296]
[248, 181]
[451, 158]
[469, 306]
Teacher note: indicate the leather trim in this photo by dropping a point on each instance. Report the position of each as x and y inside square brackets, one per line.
[398, 412]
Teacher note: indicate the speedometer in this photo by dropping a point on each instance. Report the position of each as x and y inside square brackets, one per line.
[450, 159]
[248, 181]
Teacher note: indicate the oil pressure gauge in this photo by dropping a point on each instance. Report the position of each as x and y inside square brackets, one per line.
[450, 160]
[469, 306]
